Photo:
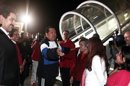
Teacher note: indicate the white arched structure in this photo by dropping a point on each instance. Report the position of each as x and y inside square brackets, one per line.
[88, 18]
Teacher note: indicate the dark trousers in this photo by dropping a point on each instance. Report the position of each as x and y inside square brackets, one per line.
[48, 81]
[65, 76]
[39, 81]
[24, 74]
[76, 83]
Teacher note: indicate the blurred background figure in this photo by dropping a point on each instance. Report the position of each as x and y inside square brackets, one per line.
[127, 37]
[36, 54]
[122, 75]
[115, 47]
[14, 35]
[26, 51]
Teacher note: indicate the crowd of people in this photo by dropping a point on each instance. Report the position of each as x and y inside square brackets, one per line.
[46, 57]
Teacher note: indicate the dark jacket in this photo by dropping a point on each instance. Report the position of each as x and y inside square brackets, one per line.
[9, 68]
[48, 64]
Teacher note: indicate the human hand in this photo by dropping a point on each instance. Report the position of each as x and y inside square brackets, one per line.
[59, 52]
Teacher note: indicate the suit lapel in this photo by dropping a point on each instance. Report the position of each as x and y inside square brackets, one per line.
[4, 35]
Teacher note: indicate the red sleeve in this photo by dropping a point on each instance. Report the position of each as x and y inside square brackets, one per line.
[19, 55]
[68, 44]
[36, 51]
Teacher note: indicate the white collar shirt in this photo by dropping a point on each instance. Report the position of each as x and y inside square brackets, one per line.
[5, 32]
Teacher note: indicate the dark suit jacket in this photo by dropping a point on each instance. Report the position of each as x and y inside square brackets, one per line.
[9, 69]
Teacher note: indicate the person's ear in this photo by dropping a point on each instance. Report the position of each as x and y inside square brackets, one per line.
[1, 19]
[123, 59]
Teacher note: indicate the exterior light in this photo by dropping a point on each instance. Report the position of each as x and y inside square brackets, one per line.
[26, 19]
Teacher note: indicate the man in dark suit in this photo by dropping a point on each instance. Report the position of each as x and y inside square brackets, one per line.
[9, 69]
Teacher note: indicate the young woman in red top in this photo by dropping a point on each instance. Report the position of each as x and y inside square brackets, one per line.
[81, 55]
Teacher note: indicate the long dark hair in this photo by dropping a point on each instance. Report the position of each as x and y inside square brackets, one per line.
[95, 47]
[126, 54]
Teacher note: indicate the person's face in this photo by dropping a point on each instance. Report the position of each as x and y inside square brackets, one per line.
[119, 58]
[51, 35]
[15, 36]
[83, 48]
[8, 23]
[127, 37]
[65, 35]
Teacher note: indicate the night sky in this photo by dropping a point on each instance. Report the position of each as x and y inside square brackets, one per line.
[46, 12]
[49, 12]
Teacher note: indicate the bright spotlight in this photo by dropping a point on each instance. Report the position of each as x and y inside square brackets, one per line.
[26, 19]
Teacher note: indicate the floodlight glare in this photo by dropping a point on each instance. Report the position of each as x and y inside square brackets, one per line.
[26, 19]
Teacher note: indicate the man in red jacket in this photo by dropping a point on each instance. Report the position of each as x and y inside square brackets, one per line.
[66, 61]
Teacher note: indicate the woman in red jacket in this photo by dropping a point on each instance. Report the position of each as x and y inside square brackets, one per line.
[82, 52]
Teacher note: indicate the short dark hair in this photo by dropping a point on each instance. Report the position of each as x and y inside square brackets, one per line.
[120, 41]
[96, 35]
[6, 10]
[66, 31]
[47, 28]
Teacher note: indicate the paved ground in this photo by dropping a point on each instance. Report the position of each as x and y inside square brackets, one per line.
[27, 82]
